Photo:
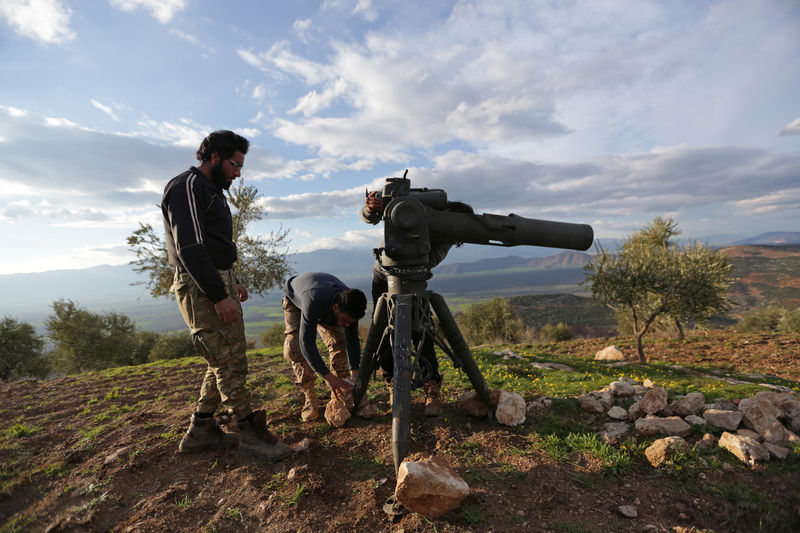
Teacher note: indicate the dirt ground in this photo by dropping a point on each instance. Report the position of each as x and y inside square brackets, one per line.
[102, 457]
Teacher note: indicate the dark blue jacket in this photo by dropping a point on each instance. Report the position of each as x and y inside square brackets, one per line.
[314, 294]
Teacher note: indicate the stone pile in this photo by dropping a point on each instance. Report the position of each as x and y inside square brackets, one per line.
[756, 428]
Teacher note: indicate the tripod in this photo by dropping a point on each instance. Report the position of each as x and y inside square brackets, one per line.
[403, 313]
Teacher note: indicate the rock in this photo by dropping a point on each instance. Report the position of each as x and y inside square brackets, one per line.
[654, 401]
[779, 452]
[745, 449]
[336, 412]
[296, 471]
[695, 420]
[707, 442]
[303, 445]
[508, 354]
[618, 413]
[471, 404]
[723, 418]
[749, 433]
[510, 409]
[622, 388]
[611, 432]
[628, 511]
[114, 456]
[723, 404]
[664, 450]
[648, 383]
[538, 406]
[553, 366]
[591, 402]
[672, 425]
[689, 404]
[368, 411]
[429, 487]
[610, 353]
[762, 419]
[635, 411]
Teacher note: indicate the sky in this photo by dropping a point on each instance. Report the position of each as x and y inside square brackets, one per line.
[608, 113]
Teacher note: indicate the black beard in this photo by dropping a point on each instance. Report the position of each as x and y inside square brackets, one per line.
[218, 177]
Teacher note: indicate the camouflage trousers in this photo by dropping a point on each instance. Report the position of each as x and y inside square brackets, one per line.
[222, 345]
[332, 336]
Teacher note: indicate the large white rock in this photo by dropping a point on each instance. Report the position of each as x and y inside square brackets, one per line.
[665, 449]
[510, 408]
[429, 487]
[745, 449]
[654, 401]
[336, 412]
[609, 353]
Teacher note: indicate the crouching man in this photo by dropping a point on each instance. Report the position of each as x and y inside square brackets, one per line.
[312, 302]
[198, 227]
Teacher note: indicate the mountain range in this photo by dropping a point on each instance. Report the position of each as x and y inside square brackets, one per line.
[471, 270]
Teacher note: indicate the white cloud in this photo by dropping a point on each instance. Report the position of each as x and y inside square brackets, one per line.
[793, 128]
[366, 10]
[162, 10]
[43, 20]
[60, 122]
[350, 239]
[186, 133]
[184, 36]
[105, 109]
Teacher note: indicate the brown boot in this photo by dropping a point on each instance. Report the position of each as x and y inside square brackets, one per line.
[311, 406]
[204, 434]
[255, 439]
[433, 403]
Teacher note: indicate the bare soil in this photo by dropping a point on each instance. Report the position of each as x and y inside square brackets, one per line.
[104, 458]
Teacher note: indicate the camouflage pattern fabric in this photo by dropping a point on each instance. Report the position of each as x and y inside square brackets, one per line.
[332, 336]
[223, 346]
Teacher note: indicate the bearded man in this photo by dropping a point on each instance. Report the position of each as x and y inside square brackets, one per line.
[199, 236]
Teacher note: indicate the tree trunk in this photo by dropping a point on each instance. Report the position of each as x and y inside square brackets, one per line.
[681, 334]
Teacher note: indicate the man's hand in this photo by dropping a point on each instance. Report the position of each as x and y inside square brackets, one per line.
[243, 294]
[228, 310]
[338, 386]
[373, 202]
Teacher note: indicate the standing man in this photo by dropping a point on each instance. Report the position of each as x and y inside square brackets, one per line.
[316, 301]
[371, 213]
[199, 229]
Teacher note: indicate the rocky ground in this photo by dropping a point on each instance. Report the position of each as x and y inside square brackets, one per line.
[97, 452]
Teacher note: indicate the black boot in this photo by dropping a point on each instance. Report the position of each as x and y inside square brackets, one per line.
[204, 434]
[255, 439]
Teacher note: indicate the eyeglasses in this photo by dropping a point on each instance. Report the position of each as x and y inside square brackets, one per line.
[234, 164]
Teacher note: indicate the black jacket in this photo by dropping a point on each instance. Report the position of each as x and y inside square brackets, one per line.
[199, 230]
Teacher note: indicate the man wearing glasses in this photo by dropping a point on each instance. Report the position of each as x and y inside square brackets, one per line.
[199, 229]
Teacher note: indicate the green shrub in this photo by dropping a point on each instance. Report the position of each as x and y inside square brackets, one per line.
[557, 333]
[492, 321]
[172, 345]
[770, 320]
[273, 335]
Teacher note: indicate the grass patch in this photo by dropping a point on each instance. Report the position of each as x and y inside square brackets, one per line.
[19, 429]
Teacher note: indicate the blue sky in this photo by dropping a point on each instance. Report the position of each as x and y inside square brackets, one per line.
[607, 113]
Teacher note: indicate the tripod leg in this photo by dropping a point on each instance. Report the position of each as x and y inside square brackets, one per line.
[401, 403]
[371, 355]
[460, 349]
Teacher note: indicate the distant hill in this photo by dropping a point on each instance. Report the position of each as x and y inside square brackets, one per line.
[773, 237]
[582, 314]
[567, 259]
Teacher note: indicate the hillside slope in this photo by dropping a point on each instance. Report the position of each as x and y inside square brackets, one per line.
[97, 452]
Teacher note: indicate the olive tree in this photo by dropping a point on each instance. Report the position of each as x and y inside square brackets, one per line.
[651, 278]
[262, 262]
[20, 351]
[84, 340]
